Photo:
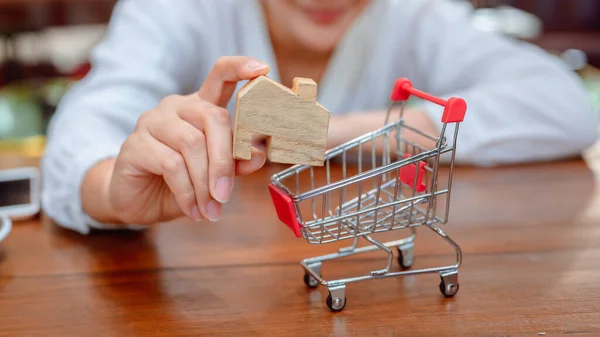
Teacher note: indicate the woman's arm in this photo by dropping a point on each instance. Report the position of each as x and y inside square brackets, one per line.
[344, 128]
[524, 105]
[143, 58]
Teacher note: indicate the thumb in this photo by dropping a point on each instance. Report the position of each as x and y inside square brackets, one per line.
[257, 161]
[219, 85]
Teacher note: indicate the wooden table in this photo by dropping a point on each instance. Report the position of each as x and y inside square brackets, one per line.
[530, 237]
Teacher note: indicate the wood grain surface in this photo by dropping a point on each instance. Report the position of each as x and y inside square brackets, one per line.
[530, 237]
[294, 123]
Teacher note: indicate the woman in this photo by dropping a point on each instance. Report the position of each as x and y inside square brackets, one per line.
[146, 136]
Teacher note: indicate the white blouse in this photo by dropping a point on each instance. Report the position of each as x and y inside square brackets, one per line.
[523, 104]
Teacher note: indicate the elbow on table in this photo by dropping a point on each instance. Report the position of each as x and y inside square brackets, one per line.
[578, 125]
[566, 136]
[570, 121]
[587, 128]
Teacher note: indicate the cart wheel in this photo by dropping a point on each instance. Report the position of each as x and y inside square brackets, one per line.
[405, 256]
[448, 291]
[337, 304]
[310, 281]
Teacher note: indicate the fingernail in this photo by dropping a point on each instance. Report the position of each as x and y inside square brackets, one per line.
[256, 65]
[258, 159]
[196, 214]
[213, 210]
[223, 189]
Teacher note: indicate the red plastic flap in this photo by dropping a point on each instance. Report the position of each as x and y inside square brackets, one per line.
[408, 172]
[455, 110]
[284, 207]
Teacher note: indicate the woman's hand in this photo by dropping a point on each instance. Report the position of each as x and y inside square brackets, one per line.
[178, 161]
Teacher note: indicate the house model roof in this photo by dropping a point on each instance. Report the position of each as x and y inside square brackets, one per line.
[250, 84]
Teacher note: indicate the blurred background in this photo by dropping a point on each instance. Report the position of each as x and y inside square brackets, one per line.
[44, 45]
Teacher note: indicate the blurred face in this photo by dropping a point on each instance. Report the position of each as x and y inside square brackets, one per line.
[317, 25]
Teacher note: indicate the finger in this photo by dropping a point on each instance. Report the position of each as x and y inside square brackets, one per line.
[219, 85]
[191, 143]
[215, 123]
[257, 160]
[159, 159]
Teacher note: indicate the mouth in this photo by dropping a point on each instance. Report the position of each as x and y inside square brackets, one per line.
[324, 17]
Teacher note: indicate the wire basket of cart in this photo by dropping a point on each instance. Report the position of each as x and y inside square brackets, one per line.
[389, 180]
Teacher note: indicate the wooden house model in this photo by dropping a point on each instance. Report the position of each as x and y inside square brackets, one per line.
[294, 123]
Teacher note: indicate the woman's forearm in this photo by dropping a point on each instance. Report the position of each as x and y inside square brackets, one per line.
[347, 127]
[94, 192]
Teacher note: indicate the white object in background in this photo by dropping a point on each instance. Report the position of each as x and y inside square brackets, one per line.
[509, 21]
[5, 226]
[576, 59]
[7, 120]
[20, 192]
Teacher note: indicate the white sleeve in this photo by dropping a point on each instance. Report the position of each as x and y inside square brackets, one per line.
[524, 105]
[143, 57]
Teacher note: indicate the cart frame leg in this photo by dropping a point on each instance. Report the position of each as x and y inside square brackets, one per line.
[351, 248]
[381, 246]
[448, 274]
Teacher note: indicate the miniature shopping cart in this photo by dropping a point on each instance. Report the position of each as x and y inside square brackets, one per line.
[389, 180]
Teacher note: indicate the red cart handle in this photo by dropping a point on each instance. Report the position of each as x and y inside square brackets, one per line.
[454, 108]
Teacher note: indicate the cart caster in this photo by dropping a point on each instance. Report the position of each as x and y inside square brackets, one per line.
[336, 300]
[449, 284]
[310, 281]
[405, 255]
[336, 304]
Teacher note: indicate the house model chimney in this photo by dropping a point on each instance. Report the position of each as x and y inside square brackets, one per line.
[305, 88]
